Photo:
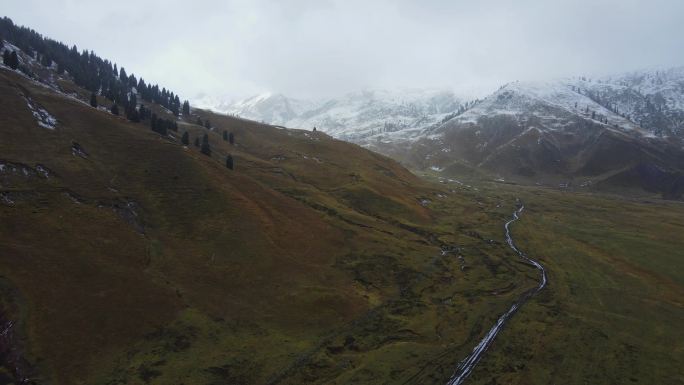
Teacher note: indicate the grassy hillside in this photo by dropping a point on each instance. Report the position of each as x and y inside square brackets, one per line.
[140, 260]
[128, 258]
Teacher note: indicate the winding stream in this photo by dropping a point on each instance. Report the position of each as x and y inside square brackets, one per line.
[468, 364]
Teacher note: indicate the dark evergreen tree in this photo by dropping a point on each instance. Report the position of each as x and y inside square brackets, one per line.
[229, 161]
[14, 60]
[593, 114]
[206, 149]
[93, 100]
[197, 142]
[199, 122]
[162, 126]
[186, 108]
[225, 135]
[132, 114]
[207, 124]
[115, 109]
[46, 61]
[94, 74]
[185, 139]
[143, 112]
[231, 138]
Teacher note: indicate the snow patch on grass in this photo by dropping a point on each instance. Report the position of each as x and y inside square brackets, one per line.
[43, 117]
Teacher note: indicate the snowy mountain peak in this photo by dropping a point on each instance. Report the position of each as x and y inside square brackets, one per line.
[355, 116]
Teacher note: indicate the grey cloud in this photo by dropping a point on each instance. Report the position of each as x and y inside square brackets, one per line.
[316, 48]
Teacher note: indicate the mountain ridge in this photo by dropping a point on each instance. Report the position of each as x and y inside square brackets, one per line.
[589, 133]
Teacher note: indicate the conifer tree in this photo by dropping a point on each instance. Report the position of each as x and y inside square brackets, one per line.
[93, 100]
[225, 136]
[197, 143]
[115, 109]
[133, 115]
[14, 60]
[207, 124]
[162, 126]
[185, 139]
[6, 58]
[229, 162]
[231, 138]
[186, 108]
[206, 150]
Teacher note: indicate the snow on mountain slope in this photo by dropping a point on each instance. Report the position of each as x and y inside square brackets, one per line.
[358, 116]
[555, 104]
[560, 131]
[653, 99]
[650, 103]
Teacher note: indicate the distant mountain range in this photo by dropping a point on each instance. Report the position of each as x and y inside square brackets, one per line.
[614, 132]
[357, 117]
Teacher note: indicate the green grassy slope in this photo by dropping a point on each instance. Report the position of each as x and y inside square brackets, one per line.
[149, 262]
[314, 261]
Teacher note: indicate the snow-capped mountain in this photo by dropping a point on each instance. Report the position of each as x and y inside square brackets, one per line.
[358, 117]
[624, 131]
[652, 99]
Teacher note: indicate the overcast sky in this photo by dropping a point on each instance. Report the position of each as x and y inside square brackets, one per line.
[319, 48]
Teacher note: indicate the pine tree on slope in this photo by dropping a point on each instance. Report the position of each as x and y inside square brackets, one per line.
[206, 150]
[14, 60]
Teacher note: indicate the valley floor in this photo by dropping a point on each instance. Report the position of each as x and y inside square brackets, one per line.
[613, 309]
